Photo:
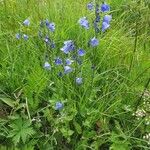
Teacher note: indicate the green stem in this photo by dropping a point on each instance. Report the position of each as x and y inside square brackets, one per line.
[135, 47]
[27, 107]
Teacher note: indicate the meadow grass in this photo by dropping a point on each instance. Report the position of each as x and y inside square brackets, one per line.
[99, 114]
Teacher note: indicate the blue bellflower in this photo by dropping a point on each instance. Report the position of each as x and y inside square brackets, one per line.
[94, 42]
[69, 62]
[90, 6]
[84, 22]
[47, 39]
[68, 46]
[81, 52]
[59, 106]
[79, 81]
[105, 26]
[67, 69]
[58, 61]
[47, 66]
[106, 22]
[105, 7]
[18, 36]
[26, 22]
[107, 18]
[51, 26]
[25, 37]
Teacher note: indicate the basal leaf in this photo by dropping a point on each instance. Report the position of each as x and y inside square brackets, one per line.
[8, 101]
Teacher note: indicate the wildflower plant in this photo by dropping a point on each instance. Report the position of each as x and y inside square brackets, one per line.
[66, 85]
[65, 61]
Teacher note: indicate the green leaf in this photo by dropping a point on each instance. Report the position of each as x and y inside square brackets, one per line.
[21, 130]
[8, 101]
[20, 106]
[121, 146]
[118, 142]
[16, 139]
[66, 132]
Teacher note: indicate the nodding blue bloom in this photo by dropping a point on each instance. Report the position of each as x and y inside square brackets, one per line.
[79, 81]
[67, 69]
[69, 61]
[51, 26]
[81, 52]
[90, 6]
[58, 61]
[94, 42]
[25, 37]
[18, 36]
[47, 66]
[105, 7]
[107, 18]
[105, 26]
[68, 46]
[84, 22]
[47, 39]
[59, 106]
[26, 22]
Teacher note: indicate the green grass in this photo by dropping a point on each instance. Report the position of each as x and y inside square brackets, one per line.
[97, 114]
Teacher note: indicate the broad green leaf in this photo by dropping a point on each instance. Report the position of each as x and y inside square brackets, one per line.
[8, 101]
[121, 146]
[21, 130]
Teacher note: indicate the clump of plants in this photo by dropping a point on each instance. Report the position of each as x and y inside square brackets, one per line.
[67, 99]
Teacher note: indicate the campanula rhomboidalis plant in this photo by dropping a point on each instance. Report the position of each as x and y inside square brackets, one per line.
[74, 75]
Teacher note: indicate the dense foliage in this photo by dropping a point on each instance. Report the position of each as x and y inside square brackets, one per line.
[74, 75]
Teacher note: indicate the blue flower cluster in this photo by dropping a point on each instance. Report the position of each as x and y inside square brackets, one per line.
[70, 51]
[21, 35]
[99, 9]
[102, 8]
[45, 34]
[67, 48]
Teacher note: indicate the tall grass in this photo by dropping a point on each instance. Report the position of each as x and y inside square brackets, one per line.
[99, 113]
